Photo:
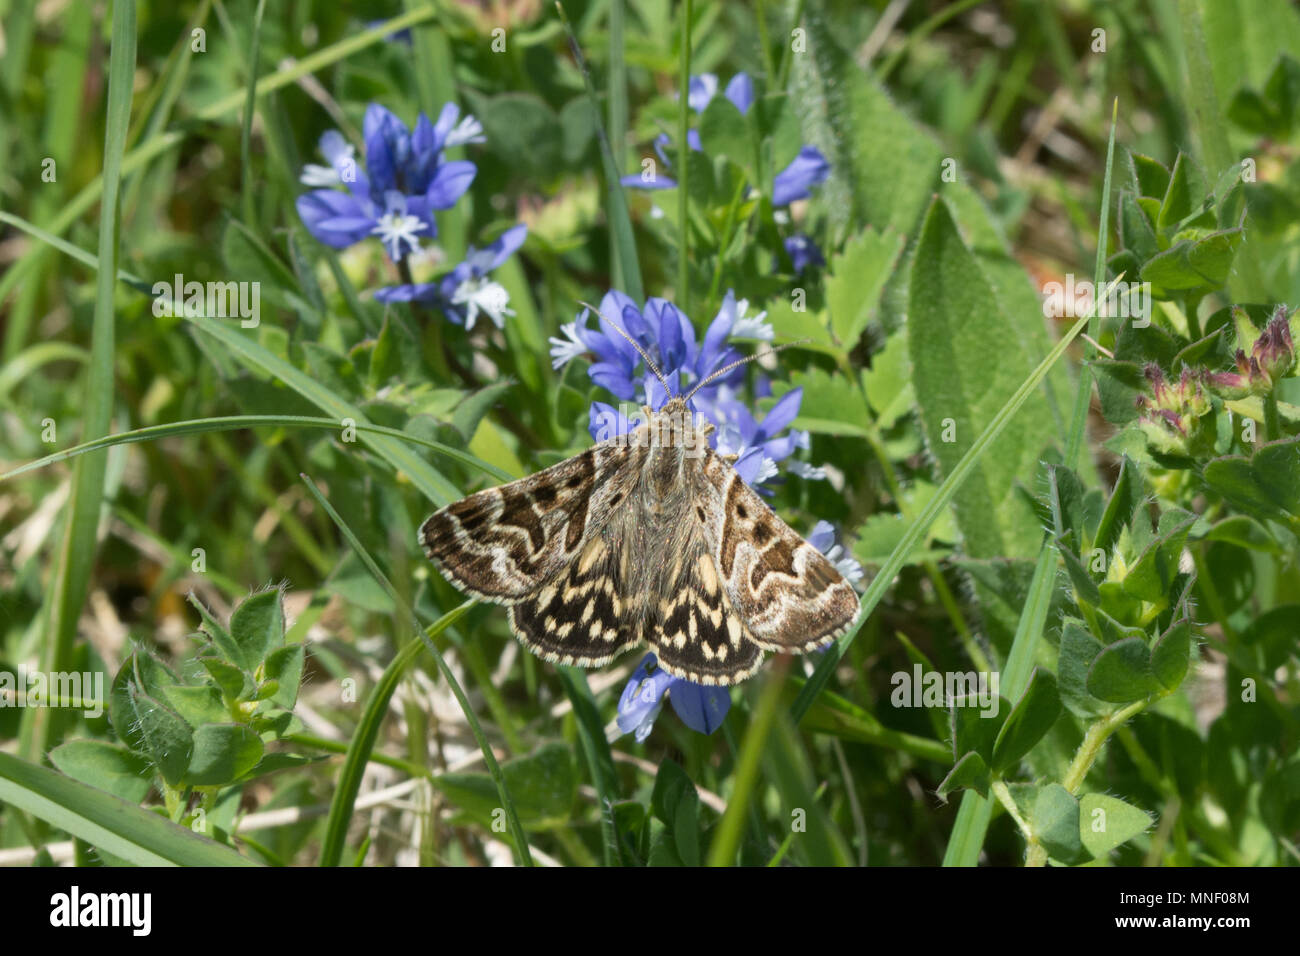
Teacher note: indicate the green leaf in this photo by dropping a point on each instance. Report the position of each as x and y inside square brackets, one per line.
[257, 627]
[1150, 175]
[1055, 822]
[969, 773]
[724, 131]
[105, 821]
[1121, 673]
[967, 359]
[1125, 498]
[1151, 576]
[1266, 485]
[831, 404]
[857, 278]
[230, 679]
[222, 754]
[284, 665]
[973, 730]
[888, 383]
[197, 705]
[543, 786]
[1171, 653]
[1031, 718]
[105, 766]
[883, 168]
[521, 129]
[1078, 649]
[1105, 822]
[165, 735]
[1177, 203]
[1193, 265]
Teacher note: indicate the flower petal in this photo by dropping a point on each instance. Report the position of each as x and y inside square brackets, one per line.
[741, 91]
[701, 708]
[806, 170]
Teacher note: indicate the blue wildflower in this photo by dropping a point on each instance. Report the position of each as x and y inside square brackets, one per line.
[405, 181]
[810, 168]
[668, 337]
[701, 708]
[803, 252]
[466, 291]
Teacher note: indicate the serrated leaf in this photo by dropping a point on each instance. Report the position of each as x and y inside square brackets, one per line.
[857, 278]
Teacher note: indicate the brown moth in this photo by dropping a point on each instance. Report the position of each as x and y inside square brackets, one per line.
[649, 538]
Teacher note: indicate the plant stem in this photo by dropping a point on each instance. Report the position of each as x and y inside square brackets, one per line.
[1098, 733]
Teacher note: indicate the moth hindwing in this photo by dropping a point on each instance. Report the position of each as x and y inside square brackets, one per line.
[648, 538]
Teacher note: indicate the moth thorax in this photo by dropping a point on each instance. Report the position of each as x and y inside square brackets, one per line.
[674, 437]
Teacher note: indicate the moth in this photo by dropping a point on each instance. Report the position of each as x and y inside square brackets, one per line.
[648, 539]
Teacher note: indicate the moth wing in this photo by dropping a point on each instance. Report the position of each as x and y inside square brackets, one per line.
[582, 616]
[789, 595]
[696, 632]
[503, 544]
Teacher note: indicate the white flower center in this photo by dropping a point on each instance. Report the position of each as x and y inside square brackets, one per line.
[394, 228]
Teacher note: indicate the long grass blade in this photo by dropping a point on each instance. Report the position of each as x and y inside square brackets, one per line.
[77, 555]
[426, 635]
[105, 821]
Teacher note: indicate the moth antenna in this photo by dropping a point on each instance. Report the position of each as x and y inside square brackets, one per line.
[649, 362]
[743, 361]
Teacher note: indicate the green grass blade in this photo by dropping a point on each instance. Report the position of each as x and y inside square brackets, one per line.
[106, 821]
[683, 164]
[77, 554]
[197, 426]
[600, 762]
[726, 839]
[246, 131]
[426, 635]
[620, 218]
[617, 117]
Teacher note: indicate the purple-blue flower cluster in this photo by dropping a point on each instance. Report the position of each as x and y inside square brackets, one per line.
[808, 169]
[668, 337]
[406, 179]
